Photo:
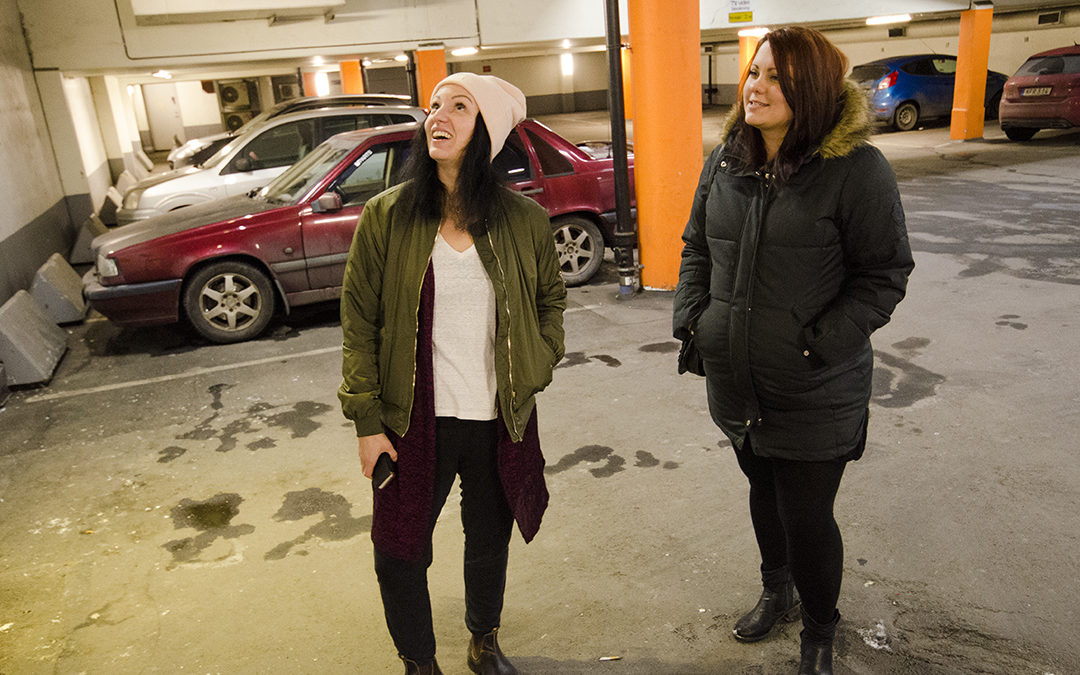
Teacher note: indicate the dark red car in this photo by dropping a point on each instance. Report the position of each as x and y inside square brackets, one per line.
[1043, 94]
[228, 265]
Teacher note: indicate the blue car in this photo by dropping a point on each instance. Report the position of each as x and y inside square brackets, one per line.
[904, 90]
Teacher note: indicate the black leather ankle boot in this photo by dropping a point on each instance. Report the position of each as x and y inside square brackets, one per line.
[779, 601]
[817, 644]
[485, 657]
[414, 668]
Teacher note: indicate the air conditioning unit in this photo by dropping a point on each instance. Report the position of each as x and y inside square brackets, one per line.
[234, 94]
[285, 91]
[235, 119]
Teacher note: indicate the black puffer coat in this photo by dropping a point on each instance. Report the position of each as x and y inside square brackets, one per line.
[781, 287]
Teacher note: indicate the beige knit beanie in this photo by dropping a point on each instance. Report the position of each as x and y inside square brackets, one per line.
[501, 103]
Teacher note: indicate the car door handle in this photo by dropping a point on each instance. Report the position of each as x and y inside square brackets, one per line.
[532, 191]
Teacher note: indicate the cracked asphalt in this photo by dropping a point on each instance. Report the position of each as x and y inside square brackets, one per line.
[167, 505]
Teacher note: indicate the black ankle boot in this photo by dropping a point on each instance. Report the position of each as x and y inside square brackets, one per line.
[414, 668]
[485, 657]
[779, 601]
[817, 644]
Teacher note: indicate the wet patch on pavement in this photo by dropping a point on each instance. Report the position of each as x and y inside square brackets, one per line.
[579, 358]
[897, 381]
[337, 524]
[660, 348]
[1028, 228]
[612, 463]
[171, 453]
[299, 420]
[212, 518]
[1007, 320]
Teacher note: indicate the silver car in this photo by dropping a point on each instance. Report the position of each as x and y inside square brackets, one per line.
[253, 158]
[198, 150]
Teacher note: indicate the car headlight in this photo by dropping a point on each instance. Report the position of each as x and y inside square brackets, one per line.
[107, 267]
[131, 199]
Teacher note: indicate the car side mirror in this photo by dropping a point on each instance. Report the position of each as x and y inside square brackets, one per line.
[327, 202]
[242, 164]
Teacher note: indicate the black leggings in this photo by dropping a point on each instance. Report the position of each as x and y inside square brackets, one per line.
[468, 448]
[791, 506]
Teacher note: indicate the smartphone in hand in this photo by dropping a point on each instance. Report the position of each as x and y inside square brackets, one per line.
[384, 471]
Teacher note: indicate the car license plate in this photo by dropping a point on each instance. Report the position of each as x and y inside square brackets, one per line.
[1036, 91]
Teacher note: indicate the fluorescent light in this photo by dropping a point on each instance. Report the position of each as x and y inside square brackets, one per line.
[322, 83]
[317, 60]
[401, 58]
[758, 32]
[566, 44]
[163, 74]
[567, 61]
[366, 63]
[464, 51]
[882, 20]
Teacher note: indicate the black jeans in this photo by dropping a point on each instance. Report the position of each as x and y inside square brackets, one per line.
[791, 506]
[467, 448]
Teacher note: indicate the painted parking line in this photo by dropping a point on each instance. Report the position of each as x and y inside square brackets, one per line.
[194, 372]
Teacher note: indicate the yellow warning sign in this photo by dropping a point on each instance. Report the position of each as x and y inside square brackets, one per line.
[740, 17]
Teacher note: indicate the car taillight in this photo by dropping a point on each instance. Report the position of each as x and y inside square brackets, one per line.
[887, 81]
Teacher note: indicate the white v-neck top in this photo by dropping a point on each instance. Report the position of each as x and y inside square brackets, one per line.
[463, 334]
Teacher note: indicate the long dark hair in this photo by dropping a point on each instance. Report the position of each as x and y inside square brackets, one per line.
[478, 187]
[811, 72]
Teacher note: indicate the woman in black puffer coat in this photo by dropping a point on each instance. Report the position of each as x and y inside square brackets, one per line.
[795, 252]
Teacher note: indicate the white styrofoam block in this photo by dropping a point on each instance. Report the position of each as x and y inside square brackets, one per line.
[58, 288]
[31, 343]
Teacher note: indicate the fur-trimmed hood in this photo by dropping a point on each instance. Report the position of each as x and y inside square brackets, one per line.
[853, 129]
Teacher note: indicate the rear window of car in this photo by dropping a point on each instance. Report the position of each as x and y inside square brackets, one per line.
[868, 73]
[552, 163]
[512, 161]
[1051, 65]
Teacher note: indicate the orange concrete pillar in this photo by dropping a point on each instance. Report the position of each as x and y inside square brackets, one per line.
[667, 129]
[969, 89]
[309, 84]
[352, 78]
[747, 45]
[627, 82]
[430, 68]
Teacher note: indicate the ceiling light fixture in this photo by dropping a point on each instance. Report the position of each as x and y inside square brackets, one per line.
[757, 32]
[464, 51]
[401, 58]
[163, 74]
[893, 18]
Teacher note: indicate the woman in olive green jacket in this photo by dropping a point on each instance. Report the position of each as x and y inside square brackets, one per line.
[452, 317]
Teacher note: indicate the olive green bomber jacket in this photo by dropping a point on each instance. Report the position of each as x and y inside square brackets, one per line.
[390, 253]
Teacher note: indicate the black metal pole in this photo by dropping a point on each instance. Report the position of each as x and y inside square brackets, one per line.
[625, 227]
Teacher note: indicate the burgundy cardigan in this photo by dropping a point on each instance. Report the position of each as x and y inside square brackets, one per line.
[403, 521]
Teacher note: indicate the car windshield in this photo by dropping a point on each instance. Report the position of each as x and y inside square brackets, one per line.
[1051, 65]
[298, 179]
[869, 72]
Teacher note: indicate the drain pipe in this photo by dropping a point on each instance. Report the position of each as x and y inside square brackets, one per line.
[625, 228]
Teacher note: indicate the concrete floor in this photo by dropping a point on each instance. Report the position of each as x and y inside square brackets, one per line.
[167, 505]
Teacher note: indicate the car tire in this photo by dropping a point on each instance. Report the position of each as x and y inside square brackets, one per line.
[906, 116]
[580, 247]
[1019, 133]
[229, 301]
[992, 107]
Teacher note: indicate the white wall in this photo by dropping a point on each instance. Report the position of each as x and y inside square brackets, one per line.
[34, 221]
[197, 108]
[95, 179]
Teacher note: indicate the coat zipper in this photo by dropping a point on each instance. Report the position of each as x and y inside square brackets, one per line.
[509, 345]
